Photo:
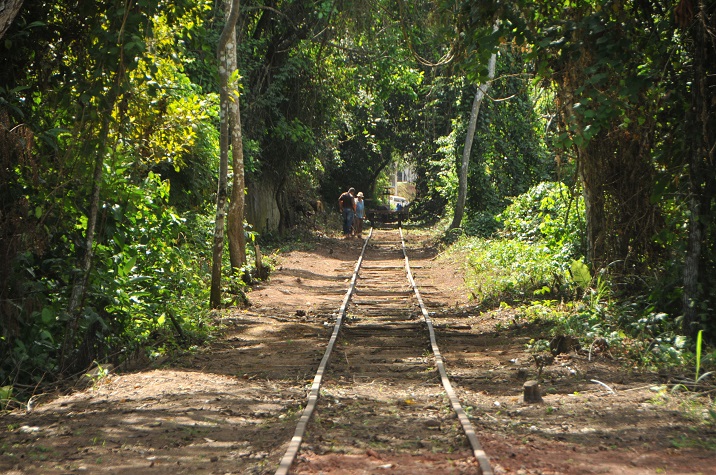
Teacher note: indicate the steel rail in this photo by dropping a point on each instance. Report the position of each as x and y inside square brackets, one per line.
[295, 443]
[300, 431]
[478, 451]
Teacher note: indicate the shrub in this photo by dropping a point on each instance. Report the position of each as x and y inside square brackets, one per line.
[550, 214]
[533, 252]
[505, 269]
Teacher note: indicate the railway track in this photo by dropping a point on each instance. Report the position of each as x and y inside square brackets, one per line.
[383, 336]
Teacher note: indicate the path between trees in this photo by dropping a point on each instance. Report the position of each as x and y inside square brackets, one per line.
[231, 406]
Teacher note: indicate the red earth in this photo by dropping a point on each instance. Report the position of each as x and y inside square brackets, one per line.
[231, 405]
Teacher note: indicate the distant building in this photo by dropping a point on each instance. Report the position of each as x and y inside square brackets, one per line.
[402, 181]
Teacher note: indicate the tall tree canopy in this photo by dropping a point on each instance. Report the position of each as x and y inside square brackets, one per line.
[110, 146]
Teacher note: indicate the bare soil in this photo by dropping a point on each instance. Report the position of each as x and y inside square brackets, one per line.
[230, 407]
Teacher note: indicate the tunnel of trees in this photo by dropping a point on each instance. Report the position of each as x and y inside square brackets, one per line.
[129, 128]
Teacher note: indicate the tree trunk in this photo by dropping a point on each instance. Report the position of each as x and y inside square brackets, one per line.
[284, 213]
[237, 239]
[79, 288]
[467, 150]
[692, 295]
[8, 11]
[387, 157]
[590, 173]
[702, 162]
[232, 14]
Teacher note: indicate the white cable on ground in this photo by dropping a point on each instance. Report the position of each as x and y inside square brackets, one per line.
[480, 455]
[295, 443]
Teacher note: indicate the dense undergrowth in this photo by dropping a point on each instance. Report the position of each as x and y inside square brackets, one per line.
[534, 265]
[148, 294]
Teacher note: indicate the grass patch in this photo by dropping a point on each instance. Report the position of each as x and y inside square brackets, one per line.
[695, 440]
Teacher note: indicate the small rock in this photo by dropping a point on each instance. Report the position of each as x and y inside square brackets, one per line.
[642, 460]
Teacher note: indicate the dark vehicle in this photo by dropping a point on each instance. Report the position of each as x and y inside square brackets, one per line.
[384, 214]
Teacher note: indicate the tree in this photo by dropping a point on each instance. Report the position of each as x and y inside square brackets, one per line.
[595, 57]
[108, 90]
[289, 101]
[237, 238]
[224, 50]
[701, 120]
[463, 171]
[8, 11]
[510, 154]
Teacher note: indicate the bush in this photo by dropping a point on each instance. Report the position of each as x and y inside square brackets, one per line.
[535, 260]
[513, 270]
[550, 214]
[533, 253]
[147, 291]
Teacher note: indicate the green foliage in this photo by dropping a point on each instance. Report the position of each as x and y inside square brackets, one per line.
[148, 290]
[580, 274]
[511, 270]
[549, 213]
[137, 110]
[509, 154]
[151, 271]
[535, 254]
[444, 172]
[5, 396]
[481, 224]
[604, 325]
[173, 121]
[699, 342]
[534, 251]
[289, 102]
[377, 131]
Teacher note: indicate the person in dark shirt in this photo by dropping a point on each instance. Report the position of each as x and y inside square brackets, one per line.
[347, 205]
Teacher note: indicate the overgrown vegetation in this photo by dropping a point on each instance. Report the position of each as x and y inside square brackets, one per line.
[590, 185]
[142, 136]
[534, 264]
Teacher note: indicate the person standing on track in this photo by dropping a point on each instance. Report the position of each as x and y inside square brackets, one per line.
[360, 215]
[347, 205]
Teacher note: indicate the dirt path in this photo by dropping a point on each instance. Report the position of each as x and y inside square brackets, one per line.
[383, 406]
[231, 407]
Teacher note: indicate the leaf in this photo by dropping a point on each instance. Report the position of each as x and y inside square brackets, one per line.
[699, 342]
[680, 341]
[590, 131]
[5, 393]
[129, 265]
[580, 273]
[47, 315]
